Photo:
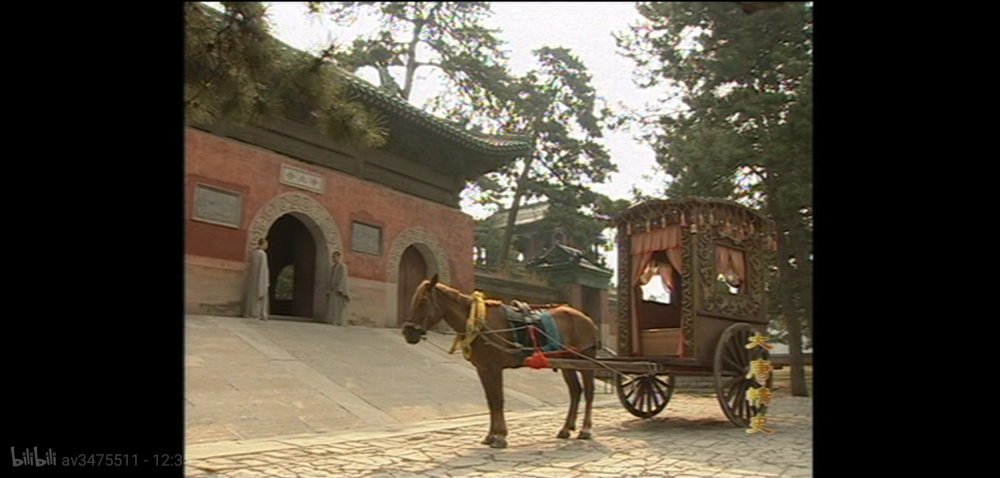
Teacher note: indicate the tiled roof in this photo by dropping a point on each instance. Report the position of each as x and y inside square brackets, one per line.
[561, 255]
[375, 96]
[526, 214]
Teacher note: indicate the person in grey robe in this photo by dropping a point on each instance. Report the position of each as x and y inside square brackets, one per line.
[338, 295]
[258, 283]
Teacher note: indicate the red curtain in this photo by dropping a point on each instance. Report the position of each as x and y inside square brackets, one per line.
[731, 263]
[644, 244]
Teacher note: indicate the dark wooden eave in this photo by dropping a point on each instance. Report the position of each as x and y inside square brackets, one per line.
[434, 141]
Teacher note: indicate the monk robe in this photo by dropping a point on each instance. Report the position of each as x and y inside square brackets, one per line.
[337, 296]
[258, 282]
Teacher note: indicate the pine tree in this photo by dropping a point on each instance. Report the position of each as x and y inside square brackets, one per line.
[745, 131]
[236, 71]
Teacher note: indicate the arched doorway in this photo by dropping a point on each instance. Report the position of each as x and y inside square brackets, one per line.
[292, 262]
[412, 270]
[325, 234]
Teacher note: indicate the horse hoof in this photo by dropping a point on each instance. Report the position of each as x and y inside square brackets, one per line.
[584, 435]
[563, 434]
[488, 440]
[499, 443]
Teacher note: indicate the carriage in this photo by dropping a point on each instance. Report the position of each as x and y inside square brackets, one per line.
[708, 255]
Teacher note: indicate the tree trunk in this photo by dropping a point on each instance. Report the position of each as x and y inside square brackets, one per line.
[508, 232]
[792, 322]
[786, 286]
[411, 62]
[803, 275]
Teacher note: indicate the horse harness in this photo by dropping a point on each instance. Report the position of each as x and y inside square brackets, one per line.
[532, 327]
[524, 320]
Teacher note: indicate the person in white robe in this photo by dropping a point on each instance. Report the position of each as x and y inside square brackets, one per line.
[338, 294]
[258, 283]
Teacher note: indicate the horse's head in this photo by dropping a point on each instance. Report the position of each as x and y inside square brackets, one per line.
[425, 311]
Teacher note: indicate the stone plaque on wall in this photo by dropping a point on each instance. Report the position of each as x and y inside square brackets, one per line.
[217, 206]
[365, 238]
[301, 179]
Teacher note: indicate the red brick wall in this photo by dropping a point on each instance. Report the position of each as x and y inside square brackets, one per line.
[254, 172]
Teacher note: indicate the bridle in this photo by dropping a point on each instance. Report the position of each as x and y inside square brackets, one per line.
[435, 310]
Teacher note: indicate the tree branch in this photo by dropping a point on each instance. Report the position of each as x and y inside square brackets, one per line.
[411, 62]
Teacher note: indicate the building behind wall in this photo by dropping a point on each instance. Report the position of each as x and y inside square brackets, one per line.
[559, 272]
[393, 211]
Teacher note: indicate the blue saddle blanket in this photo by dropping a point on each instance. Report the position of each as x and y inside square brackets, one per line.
[542, 320]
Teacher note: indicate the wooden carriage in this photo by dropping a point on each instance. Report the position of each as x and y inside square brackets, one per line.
[709, 256]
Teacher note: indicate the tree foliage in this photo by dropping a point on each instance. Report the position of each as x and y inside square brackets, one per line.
[448, 37]
[235, 71]
[745, 131]
[555, 103]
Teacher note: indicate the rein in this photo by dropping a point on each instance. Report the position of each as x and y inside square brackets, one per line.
[476, 327]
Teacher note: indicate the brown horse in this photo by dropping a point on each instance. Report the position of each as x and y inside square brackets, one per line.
[490, 352]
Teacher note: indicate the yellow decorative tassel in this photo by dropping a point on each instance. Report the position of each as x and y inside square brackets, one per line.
[477, 315]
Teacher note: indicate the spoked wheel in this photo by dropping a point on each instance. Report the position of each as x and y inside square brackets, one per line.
[644, 395]
[732, 363]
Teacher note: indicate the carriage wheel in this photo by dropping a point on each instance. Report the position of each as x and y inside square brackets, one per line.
[732, 362]
[644, 395]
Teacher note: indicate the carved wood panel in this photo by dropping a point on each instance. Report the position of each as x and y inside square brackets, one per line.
[624, 294]
[749, 302]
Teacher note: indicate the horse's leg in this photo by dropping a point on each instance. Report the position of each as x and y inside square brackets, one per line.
[492, 380]
[485, 380]
[574, 401]
[588, 395]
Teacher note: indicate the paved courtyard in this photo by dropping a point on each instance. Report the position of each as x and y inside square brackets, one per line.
[291, 399]
[690, 438]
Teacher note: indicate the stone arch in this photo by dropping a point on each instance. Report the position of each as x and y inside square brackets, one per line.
[429, 247]
[317, 220]
[294, 203]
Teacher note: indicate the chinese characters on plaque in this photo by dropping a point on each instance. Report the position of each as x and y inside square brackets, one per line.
[365, 238]
[217, 206]
[301, 179]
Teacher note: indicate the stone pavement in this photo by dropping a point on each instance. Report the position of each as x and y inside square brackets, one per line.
[247, 379]
[690, 438]
[291, 399]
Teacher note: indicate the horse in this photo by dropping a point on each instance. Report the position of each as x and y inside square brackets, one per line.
[433, 302]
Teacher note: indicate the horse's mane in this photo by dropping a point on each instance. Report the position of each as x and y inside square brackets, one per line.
[457, 296]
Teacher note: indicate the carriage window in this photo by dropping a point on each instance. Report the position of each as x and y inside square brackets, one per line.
[733, 289]
[653, 291]
[655, 278]
[731, 266]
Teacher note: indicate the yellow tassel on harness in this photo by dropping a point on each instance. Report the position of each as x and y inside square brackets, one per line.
[477, 314]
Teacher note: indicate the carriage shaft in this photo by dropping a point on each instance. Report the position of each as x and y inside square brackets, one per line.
[635, 366]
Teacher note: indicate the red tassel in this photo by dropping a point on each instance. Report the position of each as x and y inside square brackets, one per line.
[537, 360]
